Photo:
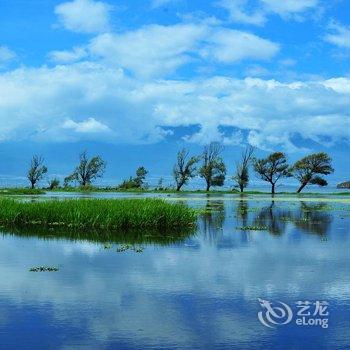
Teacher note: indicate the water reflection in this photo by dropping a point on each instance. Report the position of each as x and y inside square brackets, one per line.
[174, 296]
[213, 219]
[310, 218]
[132, 236]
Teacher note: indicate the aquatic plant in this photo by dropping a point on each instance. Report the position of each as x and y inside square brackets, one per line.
[43, 269]
[253, 228]
[96, 213]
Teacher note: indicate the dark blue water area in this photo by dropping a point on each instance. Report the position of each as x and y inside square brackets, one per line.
[199, 293]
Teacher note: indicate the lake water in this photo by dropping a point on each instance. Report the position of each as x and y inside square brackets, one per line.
[198, 293]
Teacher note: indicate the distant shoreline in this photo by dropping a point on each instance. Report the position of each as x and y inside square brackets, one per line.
[90, 190]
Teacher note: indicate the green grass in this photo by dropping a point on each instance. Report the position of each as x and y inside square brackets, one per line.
[96, 214]
[21, 191]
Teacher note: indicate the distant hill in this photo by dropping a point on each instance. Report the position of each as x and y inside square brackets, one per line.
[344, 185]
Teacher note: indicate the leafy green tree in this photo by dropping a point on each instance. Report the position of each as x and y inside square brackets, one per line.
[160, 185]
[185, 168]
[141, 174]
[54, 183]
[272, 168]
[308, 170]
[87, 170]
[68, 180]
[36, 171]
[135, 182]
[241, 176]
[213, 169]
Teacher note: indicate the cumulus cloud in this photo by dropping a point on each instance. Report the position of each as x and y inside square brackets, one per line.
[229, 46]
[338, 35]
[90, 125]
[120, 86]
[289, 7]
[157, 50]
[241, 13]
[84, 16]
[153, 50]
[52, 104]
[256, 13]
[6, 54]
[68, 56]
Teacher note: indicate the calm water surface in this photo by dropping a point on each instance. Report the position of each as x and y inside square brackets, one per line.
[199, 293]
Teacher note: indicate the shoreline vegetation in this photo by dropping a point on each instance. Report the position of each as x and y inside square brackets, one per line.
[209, 166]
[96, 214]
[22, 191]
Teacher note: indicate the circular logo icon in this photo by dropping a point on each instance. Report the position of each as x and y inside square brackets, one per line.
[274, 315]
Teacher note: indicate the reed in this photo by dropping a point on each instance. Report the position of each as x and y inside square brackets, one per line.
[96, 214]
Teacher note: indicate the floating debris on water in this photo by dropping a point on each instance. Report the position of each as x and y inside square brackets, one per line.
[126, 247]
[43, 269]
[123, 248]
[253, 228]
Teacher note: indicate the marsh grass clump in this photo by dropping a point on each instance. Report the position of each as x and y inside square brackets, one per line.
[96, 214]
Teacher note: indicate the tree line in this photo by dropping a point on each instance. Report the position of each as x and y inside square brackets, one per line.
[210, 166]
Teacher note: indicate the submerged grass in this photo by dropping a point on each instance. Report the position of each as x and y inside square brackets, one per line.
[96, 214]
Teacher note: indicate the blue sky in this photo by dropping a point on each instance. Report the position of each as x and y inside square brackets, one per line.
[137, 80]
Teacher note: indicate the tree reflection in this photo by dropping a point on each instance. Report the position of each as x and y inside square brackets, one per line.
[274, 218]
[309, 218]
[213, 219]
[313, 218]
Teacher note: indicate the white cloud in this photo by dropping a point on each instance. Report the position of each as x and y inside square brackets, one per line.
[153, 50]
[256, 13]
[6, 54]
[289, 7]
[84, 16]
[48, 104]
[239, 12]
[230, 46]
[123, 84]
[339, 35]
[66, 56]
[90, 125]
[269, 112]
[156, 51]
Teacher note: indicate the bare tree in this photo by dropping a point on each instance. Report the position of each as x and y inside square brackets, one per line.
[213, 169]
[308, 169]
[87, 170]
[272, 168]
[241, 176]
[184, 169]
[36, 171]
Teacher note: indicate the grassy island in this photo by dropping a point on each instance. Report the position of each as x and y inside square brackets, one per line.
[96, 214]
